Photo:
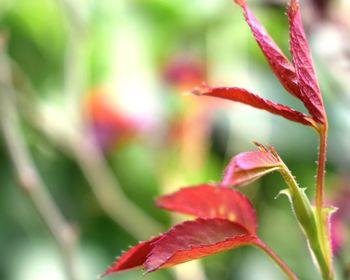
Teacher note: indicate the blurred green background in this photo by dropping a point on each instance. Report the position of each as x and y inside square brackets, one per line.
[97, 88]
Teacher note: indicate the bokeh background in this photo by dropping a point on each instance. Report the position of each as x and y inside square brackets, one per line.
[95, 114]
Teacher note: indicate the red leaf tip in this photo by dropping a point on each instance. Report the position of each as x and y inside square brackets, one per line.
[246, 167]
[268, 149]
[261, 147]
[201, 90]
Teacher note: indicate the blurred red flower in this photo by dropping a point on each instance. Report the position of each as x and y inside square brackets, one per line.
[108, 124]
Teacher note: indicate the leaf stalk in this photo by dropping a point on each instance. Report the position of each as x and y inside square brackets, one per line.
[290, 274]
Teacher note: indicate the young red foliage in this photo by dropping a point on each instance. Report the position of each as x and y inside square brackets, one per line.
[194, 239]
[211, 201]
[249, 166]
[184, 242]
[226, 219]
[244, 96]
[134, 257]
[279, 63]
[305, 72]
[298, 78]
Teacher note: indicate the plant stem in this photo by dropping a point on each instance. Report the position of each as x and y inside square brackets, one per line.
[312, 222]
[104, 185]
[321, 168]
[321, 218]
[75, 75]
[290, 274]
[108, 192]
[29, 177]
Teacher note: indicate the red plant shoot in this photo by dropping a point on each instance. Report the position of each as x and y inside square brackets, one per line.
[225, 218]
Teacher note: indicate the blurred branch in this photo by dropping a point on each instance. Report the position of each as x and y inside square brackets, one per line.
[74, 62]
[90, 158]
[105, 185]
[29, 178]
[108, 191]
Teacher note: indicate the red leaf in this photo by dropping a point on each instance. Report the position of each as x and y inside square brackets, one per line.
[249, 166]
[184, 242]
[243, 96]
[211, 201]
[302, 61]
[279, 63]
[194, 239]
[132, 258]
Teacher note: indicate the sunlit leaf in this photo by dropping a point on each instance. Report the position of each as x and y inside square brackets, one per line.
[249, 166]
[302, 61]
[134, 257]
[243, 96]
[194, 239]
[211, 201]
[279, 63]
[184, 242]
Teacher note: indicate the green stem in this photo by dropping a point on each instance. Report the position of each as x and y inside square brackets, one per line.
[290, 274]
[312, 226]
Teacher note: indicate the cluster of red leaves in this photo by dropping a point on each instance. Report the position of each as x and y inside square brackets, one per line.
[225, 218]
[297, 77]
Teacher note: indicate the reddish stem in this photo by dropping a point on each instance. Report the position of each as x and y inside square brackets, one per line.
[321, 167]
[277, 259]
[323, 234]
